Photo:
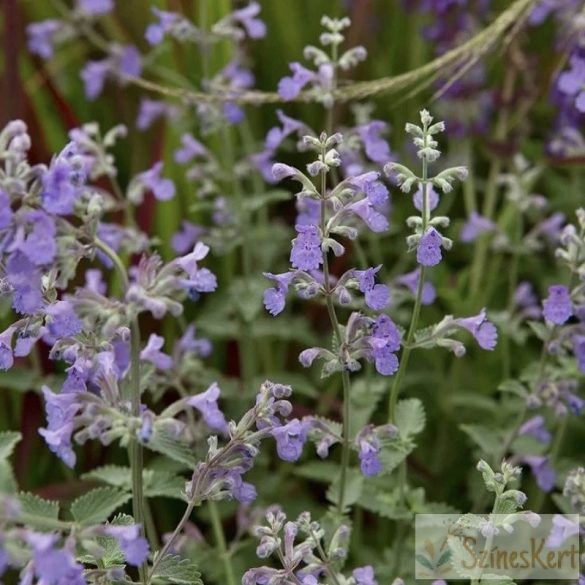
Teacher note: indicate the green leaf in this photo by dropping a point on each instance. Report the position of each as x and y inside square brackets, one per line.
[319, 471]
[354, 483]
[162, 442]
[38, 508]
[513, 387]
[363, 400]
[174, 569]
[114, 475]
[8, 440]
[488, 439]
[7, 480]
[410, 417]
[156, 482]
[540, 330]
[97, 505]
[113, 555]
[256, 202]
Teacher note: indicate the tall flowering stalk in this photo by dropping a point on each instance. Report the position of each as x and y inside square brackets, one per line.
[426, 240]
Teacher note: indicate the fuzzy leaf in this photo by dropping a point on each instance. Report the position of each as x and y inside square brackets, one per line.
[174, 569]
[7, 480]
[163, 443]
[410, 417]
[354, 483]
[256, 202]
[37, 507]
[157, 483]
[113, 555]
[114, 475]
[485, 437]
[8, 440]
[97, 505]
[319, 471]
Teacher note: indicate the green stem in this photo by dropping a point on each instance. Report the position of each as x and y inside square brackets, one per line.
[221, 543]
[405, 357]
[135, 449]
[337, 332]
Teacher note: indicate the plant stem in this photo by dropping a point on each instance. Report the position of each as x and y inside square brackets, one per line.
[221, 543]
[337, 332]
[135, 448]
[164, 550]
[405, 357]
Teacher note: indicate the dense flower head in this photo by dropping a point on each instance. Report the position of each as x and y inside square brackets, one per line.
[384, 341]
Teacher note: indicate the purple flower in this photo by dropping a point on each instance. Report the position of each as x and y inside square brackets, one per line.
[62, 182]
[6, 213]
[25, 280]
[290, 439]
[42, 37]
[275, 298]
[384, 341]
[364, 575]
[199, 279]
[377, 295]
[562, 529]
[163, 189]
[125, 61]
[475, 226]
[536, 428]
[484, 332]
[276, 135]
[377, 149]
[240, 490]
[432, 198]
[247, 18]
[190, 344]
[206, 404]
[134, 546]
[309, 211]
[369, 455]
[6, 356]
[428, 252]
[190, 148]
[166, 22]
[96, 6]
[151, 353]
[557, 307]
[94, 281]
[151, 110]
[61, 410]
[306, 248]
[579, 350]
[63, 320]
[186, 237]
[411, 281]
[39, 245]
[369, 215]
[51, 565]
[290, 87]
[572, 82]
[543, 472]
